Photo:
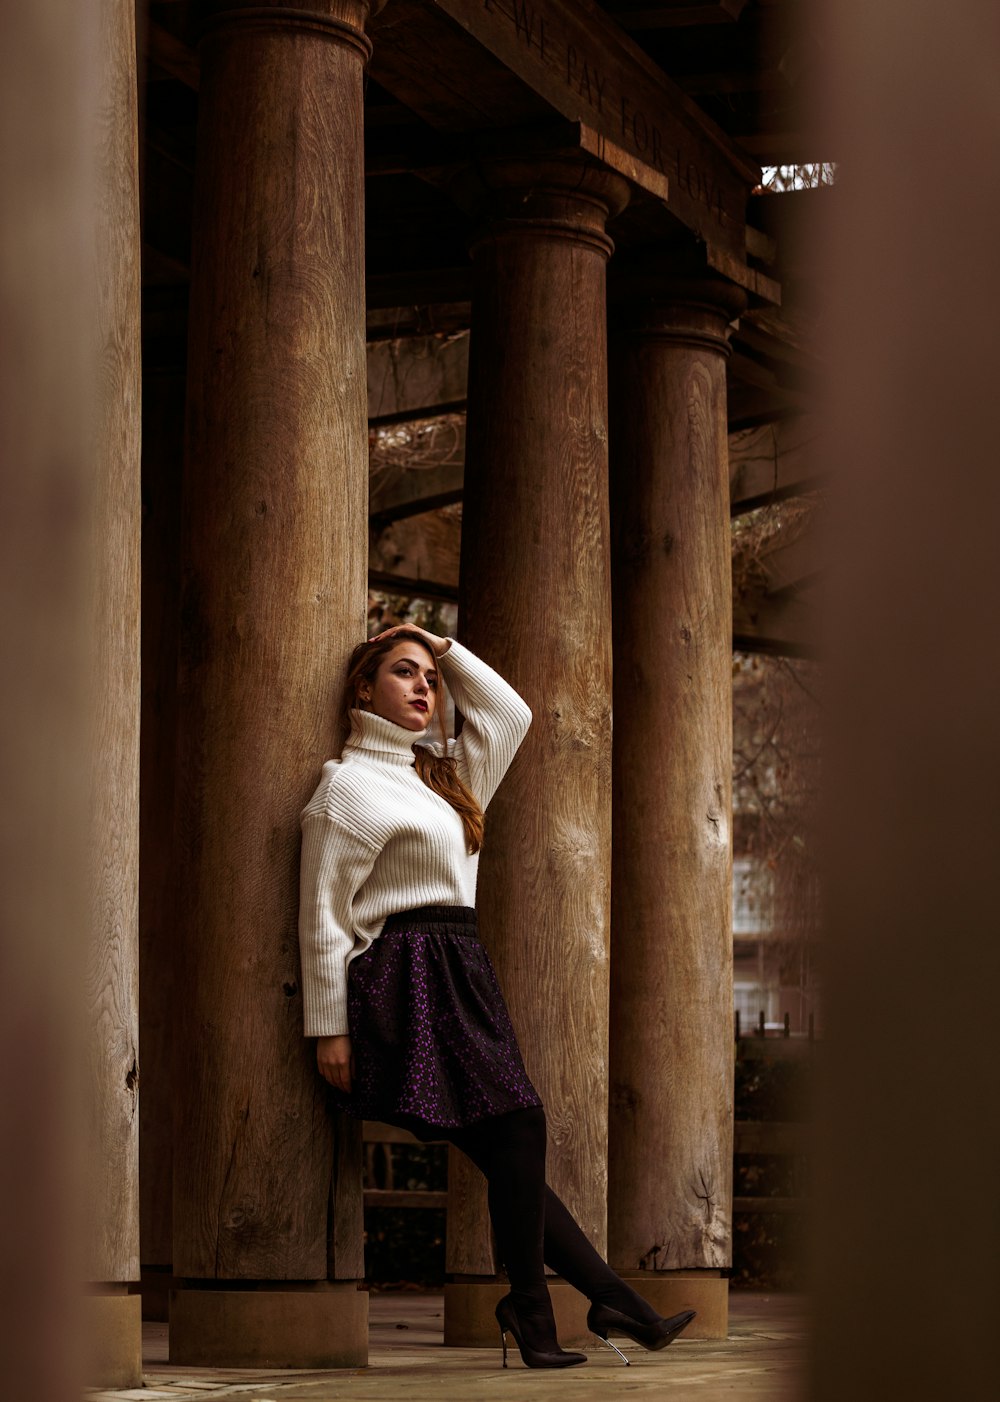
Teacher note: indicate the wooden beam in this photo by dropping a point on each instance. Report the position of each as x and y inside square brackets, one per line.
[735, 267]
[783, 626]
[573, 56]
[416, 319]
[766, 464]
[792, 565]
[416, 490]
[416, 378]
[772, 461]
[749, 406]
[388, 583]
[785, 354]
[760, 245]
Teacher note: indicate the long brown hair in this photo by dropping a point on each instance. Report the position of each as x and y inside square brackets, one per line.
[438, 772]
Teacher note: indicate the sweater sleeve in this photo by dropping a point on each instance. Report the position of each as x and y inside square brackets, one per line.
[496, 719]
[335, 863]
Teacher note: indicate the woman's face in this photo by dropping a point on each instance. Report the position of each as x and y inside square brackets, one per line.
[405, 686]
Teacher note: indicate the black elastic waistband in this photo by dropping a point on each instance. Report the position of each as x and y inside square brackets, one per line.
[422, 916]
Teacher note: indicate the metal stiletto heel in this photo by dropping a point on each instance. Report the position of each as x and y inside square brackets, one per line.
[503, 1344]
[626, 1361]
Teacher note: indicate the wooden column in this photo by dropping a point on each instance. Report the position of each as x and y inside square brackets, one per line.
[671, 1102]
[114, 863]
[535, 603]
[69, 444]
[267, 1191]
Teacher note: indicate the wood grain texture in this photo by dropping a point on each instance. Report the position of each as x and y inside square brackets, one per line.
[112, 991]
[273, 595]
[671, 1107]
[536, 605]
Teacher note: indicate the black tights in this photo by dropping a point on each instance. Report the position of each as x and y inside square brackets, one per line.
[533, 1227]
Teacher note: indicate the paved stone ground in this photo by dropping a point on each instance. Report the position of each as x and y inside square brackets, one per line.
[761, 1361]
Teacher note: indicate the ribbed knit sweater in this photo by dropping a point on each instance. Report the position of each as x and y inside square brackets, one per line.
[376, 840]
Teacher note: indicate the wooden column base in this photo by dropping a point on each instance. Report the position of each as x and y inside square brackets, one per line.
[112, 1321]
[669, 1292]
[320, 1327]
[469, 1321]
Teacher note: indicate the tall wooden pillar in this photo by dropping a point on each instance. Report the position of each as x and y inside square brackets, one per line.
[535, 603]
[267, 1189]
[69, 486]
[671, 1102]
[114, 860]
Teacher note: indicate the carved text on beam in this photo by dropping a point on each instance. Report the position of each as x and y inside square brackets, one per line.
[592, 73]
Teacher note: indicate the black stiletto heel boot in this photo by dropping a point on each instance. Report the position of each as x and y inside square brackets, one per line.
[602, 1318]
[549, 1356]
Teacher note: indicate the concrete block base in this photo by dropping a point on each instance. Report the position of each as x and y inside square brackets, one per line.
[113, 1330]
[469, 1321]
[325, 1326]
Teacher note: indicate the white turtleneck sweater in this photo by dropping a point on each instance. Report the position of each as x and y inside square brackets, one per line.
[376, 840]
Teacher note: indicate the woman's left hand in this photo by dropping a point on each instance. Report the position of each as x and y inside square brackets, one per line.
[437, 645]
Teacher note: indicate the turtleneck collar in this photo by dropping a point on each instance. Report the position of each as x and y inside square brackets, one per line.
[381, 738]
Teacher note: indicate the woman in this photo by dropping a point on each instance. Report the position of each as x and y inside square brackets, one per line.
[410, 1022]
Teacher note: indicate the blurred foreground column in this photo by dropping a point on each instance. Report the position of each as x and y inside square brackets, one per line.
[670, 1133]
[534, 544]
[54, 69]
[267, 1221]
[113, 1210]
[906, 1229]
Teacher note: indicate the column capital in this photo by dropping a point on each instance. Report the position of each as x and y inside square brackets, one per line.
[565, 196]
[673, 300]
[343, 21]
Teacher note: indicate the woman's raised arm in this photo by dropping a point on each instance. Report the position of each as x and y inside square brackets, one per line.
[496, 720]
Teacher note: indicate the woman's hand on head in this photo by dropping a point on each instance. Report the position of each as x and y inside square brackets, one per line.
[335, 1062]
[437, 645]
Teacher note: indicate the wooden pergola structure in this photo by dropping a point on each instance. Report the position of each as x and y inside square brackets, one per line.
[543, 213]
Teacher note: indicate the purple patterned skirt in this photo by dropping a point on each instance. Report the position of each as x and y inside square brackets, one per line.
[432, 1039]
